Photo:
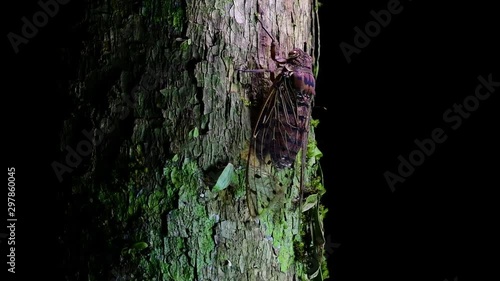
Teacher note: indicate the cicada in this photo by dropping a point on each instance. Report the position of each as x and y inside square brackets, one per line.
[281, 129]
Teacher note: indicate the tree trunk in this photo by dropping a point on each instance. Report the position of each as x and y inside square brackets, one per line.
[159, 96]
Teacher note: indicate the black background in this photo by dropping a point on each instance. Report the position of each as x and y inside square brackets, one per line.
[438, 224]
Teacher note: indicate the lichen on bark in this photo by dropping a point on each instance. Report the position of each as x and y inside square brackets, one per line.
[159, 78]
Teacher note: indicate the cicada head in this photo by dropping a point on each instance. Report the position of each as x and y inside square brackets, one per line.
[298, 57]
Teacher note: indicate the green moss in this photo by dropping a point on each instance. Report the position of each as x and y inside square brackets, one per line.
[239, 183]
[314, 123]
[184, 177]
[175, 266]
[167, 13]
[324, 269]
[282, 216]
[175, 16]
[151, 253]
[322, 212]
[279, 229]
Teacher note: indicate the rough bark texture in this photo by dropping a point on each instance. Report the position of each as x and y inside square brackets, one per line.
[159, 94]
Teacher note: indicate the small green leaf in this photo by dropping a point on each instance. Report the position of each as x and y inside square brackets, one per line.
[311, 201]
[224, 179]
[140, 246]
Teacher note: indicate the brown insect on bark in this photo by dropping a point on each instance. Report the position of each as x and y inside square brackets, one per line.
[282, 126]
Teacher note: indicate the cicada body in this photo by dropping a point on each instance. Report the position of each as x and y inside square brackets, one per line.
[283, 121]
[281, 129]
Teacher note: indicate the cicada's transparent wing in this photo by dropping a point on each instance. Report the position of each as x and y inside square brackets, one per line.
[263, 187]
[276, 140]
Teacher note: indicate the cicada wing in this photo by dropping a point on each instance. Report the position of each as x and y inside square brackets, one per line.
[262, 186]
[276, 139]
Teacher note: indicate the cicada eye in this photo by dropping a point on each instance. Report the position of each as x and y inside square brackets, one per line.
[293, 54]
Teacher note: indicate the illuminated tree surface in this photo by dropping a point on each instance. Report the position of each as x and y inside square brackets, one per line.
[160, 195]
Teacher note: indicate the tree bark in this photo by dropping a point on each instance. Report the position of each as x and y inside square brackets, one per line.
[159, 96]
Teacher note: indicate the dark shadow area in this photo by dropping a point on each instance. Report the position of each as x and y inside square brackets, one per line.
[436, 224]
